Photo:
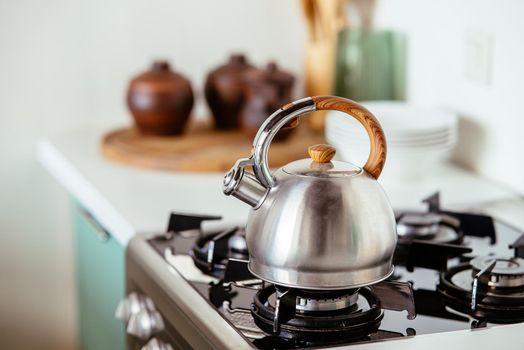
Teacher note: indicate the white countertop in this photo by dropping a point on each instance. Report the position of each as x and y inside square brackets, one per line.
[498, 337]
[127, 200]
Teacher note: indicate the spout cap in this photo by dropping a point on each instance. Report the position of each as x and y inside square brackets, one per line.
[232, 180]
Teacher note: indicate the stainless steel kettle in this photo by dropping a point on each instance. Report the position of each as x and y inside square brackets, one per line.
[316, 223]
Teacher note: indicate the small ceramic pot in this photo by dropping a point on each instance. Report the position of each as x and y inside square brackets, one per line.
[266, 91]
[224, 90]
[160, 100]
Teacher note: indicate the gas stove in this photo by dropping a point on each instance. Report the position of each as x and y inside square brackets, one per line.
[191, 288]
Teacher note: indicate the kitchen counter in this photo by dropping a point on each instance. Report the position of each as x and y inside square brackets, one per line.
[127, 200]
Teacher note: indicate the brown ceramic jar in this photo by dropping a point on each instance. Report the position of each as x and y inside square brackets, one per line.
[160, 100]
[266, 91]
[224, 90]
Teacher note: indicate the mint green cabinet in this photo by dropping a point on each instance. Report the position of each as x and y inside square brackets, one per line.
[100, 283]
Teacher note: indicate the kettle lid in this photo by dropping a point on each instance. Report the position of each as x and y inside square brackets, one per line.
[321, 164]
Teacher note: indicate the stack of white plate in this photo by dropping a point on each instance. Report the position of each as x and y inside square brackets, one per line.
[418, 138]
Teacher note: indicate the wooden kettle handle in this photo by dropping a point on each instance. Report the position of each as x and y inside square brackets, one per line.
[378, 149]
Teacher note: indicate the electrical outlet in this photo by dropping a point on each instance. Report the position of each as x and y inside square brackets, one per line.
[478, 52]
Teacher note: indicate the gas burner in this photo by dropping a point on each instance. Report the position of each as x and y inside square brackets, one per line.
[211, 252]
[311, 316]
[307, 315]
[309, 301]
[435, 227]
[442, 226]
[499, 273]
[487, 288]
[429, 239]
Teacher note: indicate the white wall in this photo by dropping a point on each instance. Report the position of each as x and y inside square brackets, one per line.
[492, 115]
[65, 65]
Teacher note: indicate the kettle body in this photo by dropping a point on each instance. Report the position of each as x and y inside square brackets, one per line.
[316, 223]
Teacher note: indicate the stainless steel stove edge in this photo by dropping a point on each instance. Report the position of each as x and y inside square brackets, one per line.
[197, 322]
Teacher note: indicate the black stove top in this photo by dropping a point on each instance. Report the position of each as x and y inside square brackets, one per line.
[455, 270]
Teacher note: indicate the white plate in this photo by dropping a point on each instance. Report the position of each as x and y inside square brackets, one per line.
[414, 166]
[451, 139]
[391, 140]
[364, 146]
[400, 119]
[359, 131]
[404, 118]
[342, 127]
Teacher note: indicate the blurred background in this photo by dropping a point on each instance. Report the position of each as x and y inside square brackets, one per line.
[66, 65]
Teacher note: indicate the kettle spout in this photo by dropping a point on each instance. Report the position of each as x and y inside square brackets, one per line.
[244, 186]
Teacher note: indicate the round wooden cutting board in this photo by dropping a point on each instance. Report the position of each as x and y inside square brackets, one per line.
[200, 149]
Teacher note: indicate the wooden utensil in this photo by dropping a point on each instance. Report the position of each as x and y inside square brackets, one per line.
[324, 19]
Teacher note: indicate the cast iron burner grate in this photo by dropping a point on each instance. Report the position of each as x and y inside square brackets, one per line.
[306, 317]
[281, 313]
[442, 226]
[429, 239]
[487, 288]
[212, 252]
[434, 227]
